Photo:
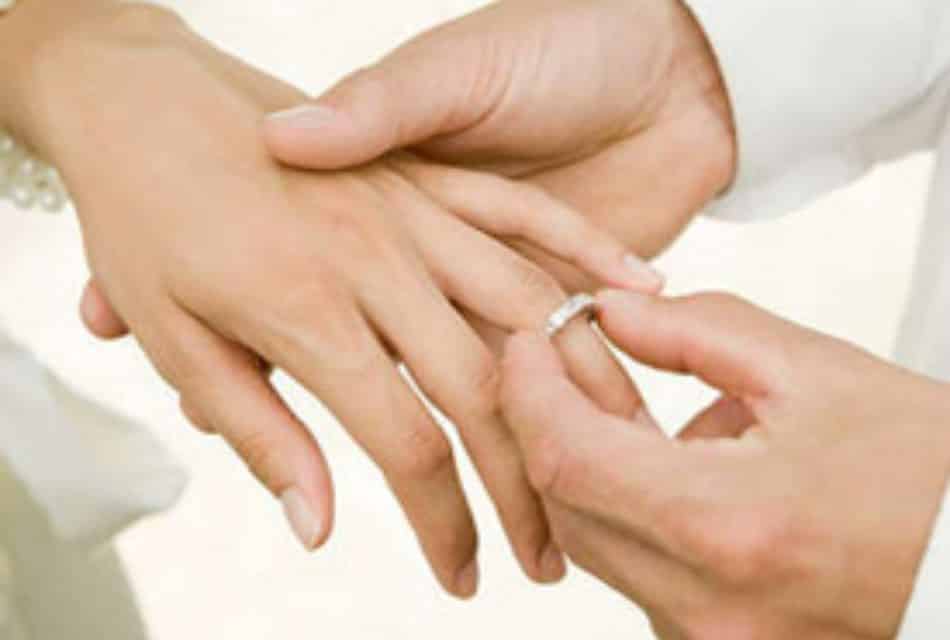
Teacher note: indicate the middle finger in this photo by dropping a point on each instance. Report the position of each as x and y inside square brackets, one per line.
[327, 345]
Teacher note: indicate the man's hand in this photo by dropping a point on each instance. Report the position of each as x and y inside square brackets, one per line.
[797, 506]
[615, 106]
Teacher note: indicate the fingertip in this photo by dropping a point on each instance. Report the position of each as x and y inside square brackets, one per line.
[552, 566]
[466, 581]
[640, 275]
[283, 142]
[98, 316]
[293, 135]
[308, 517]
[315, 136]
[316, 483]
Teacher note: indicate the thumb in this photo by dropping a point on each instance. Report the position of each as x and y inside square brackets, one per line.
[410, 97]
[728, 343]
[584, 458]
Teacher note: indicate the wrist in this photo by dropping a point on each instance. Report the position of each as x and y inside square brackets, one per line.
[37, 40]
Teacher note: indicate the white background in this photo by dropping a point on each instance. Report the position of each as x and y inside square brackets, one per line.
[223, 565]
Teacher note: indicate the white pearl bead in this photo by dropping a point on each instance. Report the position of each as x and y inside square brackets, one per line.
[23, 195]
[26, 180]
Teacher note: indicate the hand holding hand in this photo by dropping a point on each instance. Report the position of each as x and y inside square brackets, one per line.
[223, 263]
[797, 506]
[614, 106]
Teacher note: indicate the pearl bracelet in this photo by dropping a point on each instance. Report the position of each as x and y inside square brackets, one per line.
[25, 180]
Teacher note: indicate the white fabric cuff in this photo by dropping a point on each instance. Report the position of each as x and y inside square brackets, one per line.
[928, 615]
[92, 471]
[805, 78]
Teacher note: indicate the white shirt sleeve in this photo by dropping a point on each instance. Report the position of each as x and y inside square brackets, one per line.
[91, 471]
[822, 90]
[928, 615]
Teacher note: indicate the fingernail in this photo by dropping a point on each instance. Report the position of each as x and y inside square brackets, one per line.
[87, 307]
[466, 582]
[552, 564]
[303, 519]
[307, 116]
[643, 273]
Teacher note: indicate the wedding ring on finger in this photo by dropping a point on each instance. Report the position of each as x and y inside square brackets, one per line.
[580, 305]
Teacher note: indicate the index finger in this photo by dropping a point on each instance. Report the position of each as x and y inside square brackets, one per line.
[592, 461]
[726, 342]
[511, 209]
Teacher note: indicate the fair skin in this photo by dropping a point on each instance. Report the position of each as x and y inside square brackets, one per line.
[797, 506]
[646, 129]
[224, 264]
[629, 124]
[613, 106]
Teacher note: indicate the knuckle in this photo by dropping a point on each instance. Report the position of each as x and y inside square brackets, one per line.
[320, 321]
[345, 228]
[258, 451]
[552, 466]
[360, 236]
[174, 360]
[303, 304]
[425, 454]
[195, 417]
[744, 548]
[537, 288]
[484, 385]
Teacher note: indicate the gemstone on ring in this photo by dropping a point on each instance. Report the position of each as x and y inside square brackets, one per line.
[576, 306]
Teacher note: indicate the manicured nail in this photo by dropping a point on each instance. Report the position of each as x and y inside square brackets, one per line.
[87, 307]
[643, 273]
[305, 116]
[303, 519]
[466, 581]
[552, 564]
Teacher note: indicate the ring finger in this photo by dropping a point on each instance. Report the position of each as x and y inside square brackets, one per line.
[484, 276]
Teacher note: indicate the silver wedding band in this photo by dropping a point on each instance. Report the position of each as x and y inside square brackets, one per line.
[582, 304]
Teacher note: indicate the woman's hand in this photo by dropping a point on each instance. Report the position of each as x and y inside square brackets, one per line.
[222, 263]
[614, 106]
[797, 506]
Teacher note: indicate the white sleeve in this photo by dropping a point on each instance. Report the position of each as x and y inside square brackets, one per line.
[823, 90]
[928, 615]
